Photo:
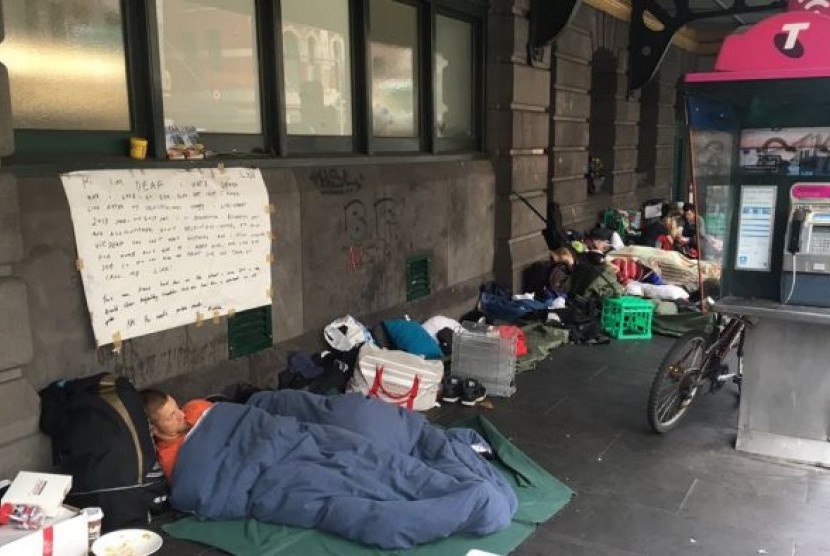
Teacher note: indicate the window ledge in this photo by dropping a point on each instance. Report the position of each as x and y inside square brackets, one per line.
[54, 165]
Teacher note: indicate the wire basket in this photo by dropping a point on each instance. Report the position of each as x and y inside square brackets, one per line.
[487, 354]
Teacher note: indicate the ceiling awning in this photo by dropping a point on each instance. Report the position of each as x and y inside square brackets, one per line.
[653, 24]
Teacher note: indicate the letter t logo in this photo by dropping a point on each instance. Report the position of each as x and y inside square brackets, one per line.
[793, 29]
[787, 42]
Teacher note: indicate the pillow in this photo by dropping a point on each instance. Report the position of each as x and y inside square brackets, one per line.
[667, 292]
[436, 323]
[410, 336]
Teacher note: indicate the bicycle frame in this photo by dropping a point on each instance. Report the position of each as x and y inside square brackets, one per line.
[726, 339]
[695, 358]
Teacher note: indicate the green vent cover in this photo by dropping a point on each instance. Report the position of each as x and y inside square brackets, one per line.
[249, 332]
[417, 278]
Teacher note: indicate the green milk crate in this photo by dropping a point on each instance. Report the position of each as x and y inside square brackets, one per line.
[627, 318]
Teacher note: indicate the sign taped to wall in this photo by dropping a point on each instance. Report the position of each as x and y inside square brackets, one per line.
[161, 247]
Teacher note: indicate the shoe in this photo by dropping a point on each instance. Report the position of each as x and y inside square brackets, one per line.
[472, 392]
[451, 388]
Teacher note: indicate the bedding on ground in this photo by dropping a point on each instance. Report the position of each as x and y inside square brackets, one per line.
[356, 467]
[672, 266]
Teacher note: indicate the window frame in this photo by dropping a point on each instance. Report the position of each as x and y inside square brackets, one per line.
[43, 142]
[142, 55]
[316, 144]
[221, 143]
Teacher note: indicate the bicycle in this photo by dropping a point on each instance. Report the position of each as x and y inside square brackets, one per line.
[695, 358]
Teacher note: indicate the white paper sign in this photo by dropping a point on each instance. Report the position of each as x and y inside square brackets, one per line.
[164, 248]
[755, 227]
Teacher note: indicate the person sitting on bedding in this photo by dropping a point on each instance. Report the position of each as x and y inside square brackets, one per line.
[693, 225]
[670, 236]
[169, 424]
[563, 263]
[693, 228]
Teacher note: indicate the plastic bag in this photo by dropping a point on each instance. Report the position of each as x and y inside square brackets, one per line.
[346, 333]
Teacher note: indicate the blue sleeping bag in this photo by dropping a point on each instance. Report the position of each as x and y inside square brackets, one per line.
[349, 465]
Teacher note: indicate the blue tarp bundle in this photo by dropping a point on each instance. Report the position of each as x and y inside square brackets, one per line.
[352, 466]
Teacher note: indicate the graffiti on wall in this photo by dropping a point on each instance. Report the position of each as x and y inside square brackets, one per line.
[336, 181]
[371, 231]
[370, 226]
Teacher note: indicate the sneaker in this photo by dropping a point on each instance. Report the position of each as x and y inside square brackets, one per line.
[451, 388]
[472, 392]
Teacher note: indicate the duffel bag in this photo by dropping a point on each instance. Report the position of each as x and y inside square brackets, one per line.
[397, 377]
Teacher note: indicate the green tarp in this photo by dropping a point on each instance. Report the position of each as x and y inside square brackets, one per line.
[677, 325]
[540, 496]
[541, 340]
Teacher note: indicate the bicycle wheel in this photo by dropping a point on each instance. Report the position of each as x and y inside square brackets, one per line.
[676, 382]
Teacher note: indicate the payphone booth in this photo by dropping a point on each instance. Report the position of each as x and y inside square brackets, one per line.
[760, 145]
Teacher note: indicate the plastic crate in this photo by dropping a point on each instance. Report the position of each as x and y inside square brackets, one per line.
[627, 318]
[483, 352]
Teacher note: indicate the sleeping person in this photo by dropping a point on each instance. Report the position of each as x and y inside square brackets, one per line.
[169, 424]
[349, 465]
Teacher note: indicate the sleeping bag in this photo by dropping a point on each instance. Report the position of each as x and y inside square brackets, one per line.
[356, 467]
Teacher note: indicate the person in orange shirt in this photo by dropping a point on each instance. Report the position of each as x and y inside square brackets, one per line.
[170, 424]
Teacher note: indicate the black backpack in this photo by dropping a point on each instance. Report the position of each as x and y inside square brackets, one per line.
[100, 436]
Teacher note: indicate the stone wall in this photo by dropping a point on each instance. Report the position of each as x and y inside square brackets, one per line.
[540, 140]
[518, 97]
[345, 250]
[633, 134]
[338, 251]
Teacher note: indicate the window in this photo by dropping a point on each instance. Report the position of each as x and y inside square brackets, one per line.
[393, 32]
[209, 65]
[255, 77]
[453, 78]
[318, 92]
[70, 48]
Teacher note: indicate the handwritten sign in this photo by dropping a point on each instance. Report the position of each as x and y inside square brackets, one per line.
[164, 248]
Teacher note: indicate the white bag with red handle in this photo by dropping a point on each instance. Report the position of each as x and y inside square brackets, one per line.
[397, 377]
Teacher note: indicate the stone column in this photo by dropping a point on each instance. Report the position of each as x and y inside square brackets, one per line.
[593, 115]
[19, 442]
[517, 137]
[20, 409]
[570, 113]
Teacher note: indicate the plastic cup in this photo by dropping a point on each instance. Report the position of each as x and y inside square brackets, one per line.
[94, 516]
[138, 148]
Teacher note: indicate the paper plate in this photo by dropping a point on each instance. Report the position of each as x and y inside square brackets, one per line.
[127, 542]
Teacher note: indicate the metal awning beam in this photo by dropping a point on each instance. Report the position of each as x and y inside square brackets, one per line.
[547, 19]
[646, 46]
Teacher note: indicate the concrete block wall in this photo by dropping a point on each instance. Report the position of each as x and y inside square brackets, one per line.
[19, 411]
[338, 251]
[592, 112]
[518, 97]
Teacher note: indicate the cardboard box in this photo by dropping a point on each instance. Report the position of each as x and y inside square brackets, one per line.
[46, 490]
[66, 534]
